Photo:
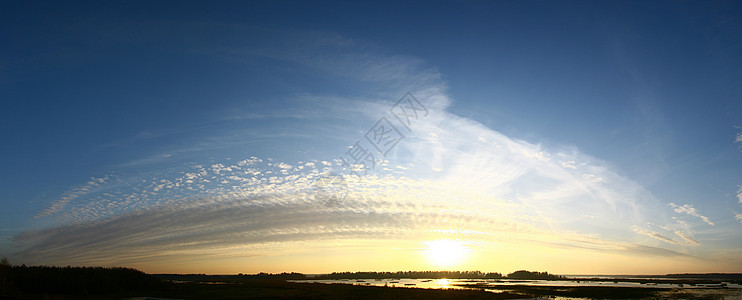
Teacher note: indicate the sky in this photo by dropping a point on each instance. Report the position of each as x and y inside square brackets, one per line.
[224, 137]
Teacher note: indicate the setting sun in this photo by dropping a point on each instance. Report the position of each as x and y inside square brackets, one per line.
[446, 253]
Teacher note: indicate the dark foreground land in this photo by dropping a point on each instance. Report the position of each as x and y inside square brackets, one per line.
[278, 289]
[281, 289]
[591, 292]
[21, 282]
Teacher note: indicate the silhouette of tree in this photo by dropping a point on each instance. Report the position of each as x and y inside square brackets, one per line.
[4, 270]
[523, 274]
[412, 275]
[74, 280]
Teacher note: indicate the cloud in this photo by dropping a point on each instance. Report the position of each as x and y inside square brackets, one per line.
[449, 174]
[569, 164]
[737, 216]
[73, 194]
[691, 211]
[499, 189]
[685, 237]
[630, 249]
[644, 250]
[280, 213]
[654, 235]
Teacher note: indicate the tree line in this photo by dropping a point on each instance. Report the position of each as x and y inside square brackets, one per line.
[521, 274]
[72, 280]
[240, 276]
[412, 275]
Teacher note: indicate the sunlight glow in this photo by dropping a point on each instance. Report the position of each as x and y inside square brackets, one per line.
[443, 282]
[446, 253]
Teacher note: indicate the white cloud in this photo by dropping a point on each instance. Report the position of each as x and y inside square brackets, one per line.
[691, 211]
[283, 165]
[249, 161]
[653, 234]
[687, 238]
[73, 194]
[569, 164]
[218, 168]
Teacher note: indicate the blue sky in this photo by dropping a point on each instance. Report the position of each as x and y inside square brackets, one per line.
[135, 128]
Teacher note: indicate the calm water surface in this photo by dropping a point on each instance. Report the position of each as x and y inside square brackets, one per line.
[455, 284]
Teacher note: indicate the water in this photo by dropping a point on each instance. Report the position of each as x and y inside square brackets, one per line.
[731, 292]
[454, 283]
[403, 282]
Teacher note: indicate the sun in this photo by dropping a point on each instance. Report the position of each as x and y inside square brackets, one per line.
[445, 253]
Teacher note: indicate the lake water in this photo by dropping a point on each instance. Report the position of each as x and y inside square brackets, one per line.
[454, 283]
[731, 292]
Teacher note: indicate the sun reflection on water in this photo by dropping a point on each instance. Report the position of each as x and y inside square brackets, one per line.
[443, 282]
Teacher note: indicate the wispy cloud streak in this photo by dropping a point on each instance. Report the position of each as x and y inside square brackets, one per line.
[72, 195]
[691, 211]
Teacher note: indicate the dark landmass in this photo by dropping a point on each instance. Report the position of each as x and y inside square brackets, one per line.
[257, 288]
[522, 274]
[82, 286]
[228, 278]
[281, 289]
[42, 282]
